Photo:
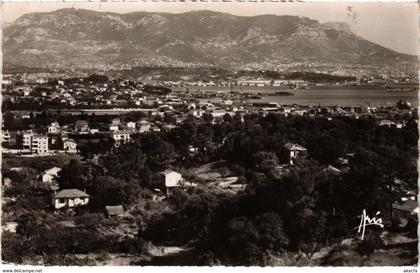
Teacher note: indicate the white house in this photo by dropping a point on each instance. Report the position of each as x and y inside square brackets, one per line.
[296, 151]
[168, 127]
[7, 182]
[386, 122]
[144, 126]
[10, 227]
[121, 137]
[81, 126]
[70, 198]
[50, 175]
[54, 128]
[113, 127]
[227, 102]
[198, 113]
[218, 113]
[116, 121]
[5, 136]
[131, 125]
[171, 179]
[70, 146]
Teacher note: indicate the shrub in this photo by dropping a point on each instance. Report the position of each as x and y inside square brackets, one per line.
[133, 245]
[370, 243]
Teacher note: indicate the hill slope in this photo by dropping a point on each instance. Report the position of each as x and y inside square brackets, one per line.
[77, 38]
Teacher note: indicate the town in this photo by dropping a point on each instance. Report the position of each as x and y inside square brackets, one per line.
[131, 161]
[113, 110]
[202, 134]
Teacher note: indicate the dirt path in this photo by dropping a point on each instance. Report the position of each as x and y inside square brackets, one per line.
[161, 251]
[174, 256]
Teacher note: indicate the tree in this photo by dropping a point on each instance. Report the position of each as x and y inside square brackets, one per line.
[227, 118]
[208, 118]
[310, 231]
[270, 228]
[27, 224]
[159, 152]
[242, 240]
[265, 161]
[77, 175]
[111, 191]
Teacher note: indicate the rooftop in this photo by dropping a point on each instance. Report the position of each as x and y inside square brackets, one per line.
[39, 136]
[114, 210]
[168, 171]
[53, 169]
[120, 132]
[408, 206]
[71, 193]
[294, 146]
[69, 140]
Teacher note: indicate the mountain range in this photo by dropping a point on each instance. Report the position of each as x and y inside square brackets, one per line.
[83, 38]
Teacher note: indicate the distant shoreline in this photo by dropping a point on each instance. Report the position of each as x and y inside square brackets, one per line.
[239, 88]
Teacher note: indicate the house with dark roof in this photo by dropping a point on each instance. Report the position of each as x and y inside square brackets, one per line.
[296, 151]
[332, 170]
[70, 198]
[407, 207]
[48, 176]
[70, 146]
[406, 210]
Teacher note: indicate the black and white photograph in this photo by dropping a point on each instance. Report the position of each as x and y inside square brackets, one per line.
[210, 134]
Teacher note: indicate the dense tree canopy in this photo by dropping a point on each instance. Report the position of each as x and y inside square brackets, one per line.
[284, 208]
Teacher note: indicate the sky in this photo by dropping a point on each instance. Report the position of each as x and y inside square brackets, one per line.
[393, 25]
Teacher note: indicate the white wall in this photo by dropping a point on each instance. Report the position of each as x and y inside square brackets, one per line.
[172, 179]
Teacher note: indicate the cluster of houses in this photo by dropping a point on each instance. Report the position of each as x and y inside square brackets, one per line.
[152, 101]
[80, 91]
[259, 82]
[71, 198]
[38, 141]
[68, 199]
[65, 138]
[65, 199]
[242, 81]
[385, 115]
[84, 93]
[31, 142]
[403, 210]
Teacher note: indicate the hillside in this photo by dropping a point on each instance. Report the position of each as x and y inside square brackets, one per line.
[82, 38]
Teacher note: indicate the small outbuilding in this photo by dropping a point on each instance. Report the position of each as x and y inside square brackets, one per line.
[114, 211]
[171, 179]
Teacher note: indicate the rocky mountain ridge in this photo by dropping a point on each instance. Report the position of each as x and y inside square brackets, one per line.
[80, 38]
